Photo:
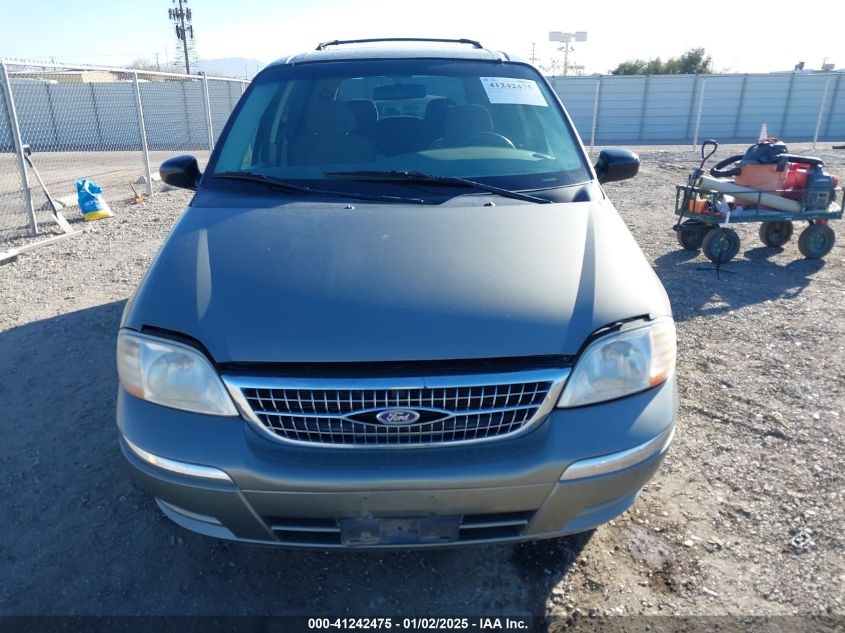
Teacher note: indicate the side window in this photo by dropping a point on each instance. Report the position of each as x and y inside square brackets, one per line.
[246, 144]
[354, 88]
[451, 88]
[272, 139]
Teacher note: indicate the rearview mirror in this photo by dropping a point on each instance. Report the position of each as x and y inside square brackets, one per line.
[616, 163]
[396, 92]
[181, 171]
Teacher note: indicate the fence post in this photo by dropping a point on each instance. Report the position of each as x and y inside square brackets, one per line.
[783, 120]
[16, 135]
[96, 116]
[643, 107]
[595, 115]
[207, 112]
[53, 123]
[821, 111]
[832, 103]
[145, 153]
[739, 105]
[692, 95]
[698, 116]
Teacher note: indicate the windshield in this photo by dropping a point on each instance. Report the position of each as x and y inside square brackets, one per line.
[491, 122]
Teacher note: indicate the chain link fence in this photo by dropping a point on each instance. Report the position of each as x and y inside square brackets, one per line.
[113, 126]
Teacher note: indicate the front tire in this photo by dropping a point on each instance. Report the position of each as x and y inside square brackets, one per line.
[816, 241]
[720, 245]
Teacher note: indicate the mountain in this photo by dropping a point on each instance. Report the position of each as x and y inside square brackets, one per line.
[239, 67]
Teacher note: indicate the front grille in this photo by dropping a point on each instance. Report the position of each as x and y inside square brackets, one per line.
[325, 414]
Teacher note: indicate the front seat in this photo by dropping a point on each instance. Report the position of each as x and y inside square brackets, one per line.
[329, 137]
[435, 118]
[462, 122]
[366, 116]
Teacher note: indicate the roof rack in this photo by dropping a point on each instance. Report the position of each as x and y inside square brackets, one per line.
[322, 46]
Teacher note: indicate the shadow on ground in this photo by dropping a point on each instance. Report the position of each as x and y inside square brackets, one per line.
[696, 288]
[80, 538]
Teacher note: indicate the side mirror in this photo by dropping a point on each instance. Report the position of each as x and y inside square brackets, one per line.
[616, 163]
[181, 171]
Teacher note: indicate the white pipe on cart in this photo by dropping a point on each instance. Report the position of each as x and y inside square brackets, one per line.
[770, 200]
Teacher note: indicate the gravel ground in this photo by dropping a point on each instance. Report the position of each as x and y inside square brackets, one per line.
[744, 518]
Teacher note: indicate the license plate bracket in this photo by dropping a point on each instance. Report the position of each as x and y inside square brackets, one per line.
[399, 531]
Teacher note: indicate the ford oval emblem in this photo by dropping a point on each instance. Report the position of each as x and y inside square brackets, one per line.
[398, 416]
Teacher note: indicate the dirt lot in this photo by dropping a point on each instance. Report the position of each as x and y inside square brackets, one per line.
[745, 517]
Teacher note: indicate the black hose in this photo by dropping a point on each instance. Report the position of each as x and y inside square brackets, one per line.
[809, 160]
[718, 170]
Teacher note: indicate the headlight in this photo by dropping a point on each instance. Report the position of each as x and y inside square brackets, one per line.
[170, 374]
[622, 363]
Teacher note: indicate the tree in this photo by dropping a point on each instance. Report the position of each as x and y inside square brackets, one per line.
[654, 67]
[694, 61]
[631, 67]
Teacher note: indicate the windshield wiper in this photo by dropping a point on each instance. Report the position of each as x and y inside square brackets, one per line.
[262, 178]
[423, 178]
[286, 185]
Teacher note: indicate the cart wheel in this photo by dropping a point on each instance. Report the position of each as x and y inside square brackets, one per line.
[720, 245]
[691, 233]
[816, 241]
[775, 233]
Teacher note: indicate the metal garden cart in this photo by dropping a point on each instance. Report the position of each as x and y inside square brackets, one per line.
[705, 216]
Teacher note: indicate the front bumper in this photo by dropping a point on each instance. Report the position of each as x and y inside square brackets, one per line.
[579, 468]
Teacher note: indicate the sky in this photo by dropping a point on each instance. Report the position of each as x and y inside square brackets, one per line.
[748, 36]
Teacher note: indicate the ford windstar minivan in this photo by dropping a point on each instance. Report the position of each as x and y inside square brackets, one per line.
[399, 311]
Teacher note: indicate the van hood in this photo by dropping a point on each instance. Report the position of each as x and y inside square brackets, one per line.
[256, 280]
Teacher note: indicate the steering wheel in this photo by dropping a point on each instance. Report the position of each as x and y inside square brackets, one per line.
[488, 139]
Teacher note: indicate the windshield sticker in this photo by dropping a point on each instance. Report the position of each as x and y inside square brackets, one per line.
[516, 91]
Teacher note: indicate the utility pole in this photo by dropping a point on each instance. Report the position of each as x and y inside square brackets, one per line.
[567, 39]
[184, 37]
[158, 66]
[533, 57]
[181, 17]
